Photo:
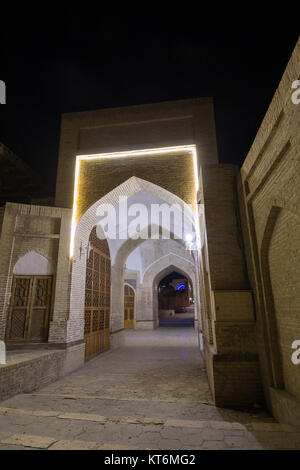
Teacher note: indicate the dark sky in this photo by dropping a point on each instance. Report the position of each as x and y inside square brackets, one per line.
[73, 60]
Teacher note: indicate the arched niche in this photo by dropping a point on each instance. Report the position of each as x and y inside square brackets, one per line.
[33, 264]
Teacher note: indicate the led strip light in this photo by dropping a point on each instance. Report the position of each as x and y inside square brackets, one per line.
[134, 153]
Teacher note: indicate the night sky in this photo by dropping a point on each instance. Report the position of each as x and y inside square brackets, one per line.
[74, 60]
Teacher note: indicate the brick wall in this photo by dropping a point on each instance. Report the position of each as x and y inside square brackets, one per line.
[224, 237]
[46, 231]
[228, 317]
[133, 128]
[35, 369]
[173, 172]
[270, 204]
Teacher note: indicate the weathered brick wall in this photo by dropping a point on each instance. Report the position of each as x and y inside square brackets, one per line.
[270, 202]
[134, 128]
[46, 231]
[37, 369]
[229, 327]
[174, 172]
[110, 130]
[284, 266]
[224, 237]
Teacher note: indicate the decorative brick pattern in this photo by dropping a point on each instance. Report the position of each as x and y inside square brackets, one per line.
[46, 231]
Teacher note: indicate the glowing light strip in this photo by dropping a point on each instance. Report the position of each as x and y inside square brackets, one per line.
[75, 196]
[131, 153]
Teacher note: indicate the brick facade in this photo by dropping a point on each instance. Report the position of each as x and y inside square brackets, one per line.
[46, 231]
[246, 273]
[133, 128]
[270, 204]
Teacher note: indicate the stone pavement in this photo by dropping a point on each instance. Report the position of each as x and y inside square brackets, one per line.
[150, 394]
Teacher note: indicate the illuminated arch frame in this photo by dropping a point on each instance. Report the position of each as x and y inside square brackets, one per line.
[155, 151]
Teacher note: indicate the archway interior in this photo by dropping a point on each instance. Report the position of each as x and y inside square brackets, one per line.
[175, 301]
[134, 260]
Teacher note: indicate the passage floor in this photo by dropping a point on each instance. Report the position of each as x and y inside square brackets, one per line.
[150, 394]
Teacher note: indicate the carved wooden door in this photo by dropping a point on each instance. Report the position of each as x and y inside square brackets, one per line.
[128, 307]
[30, 308]
[97, 298]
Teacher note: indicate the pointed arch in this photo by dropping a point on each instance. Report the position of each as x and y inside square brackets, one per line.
[121, 249]
[159, 269]
[163, 266]
[33, 263]
[279, 263]
[171, 267]
[270, 322]
[127, 189]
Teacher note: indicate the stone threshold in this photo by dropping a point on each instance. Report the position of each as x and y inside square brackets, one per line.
[109, 397]
[50, 443]
[21, 357]
[168, 422]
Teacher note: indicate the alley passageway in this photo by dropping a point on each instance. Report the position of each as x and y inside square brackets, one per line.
[150, 394]
[162, 365]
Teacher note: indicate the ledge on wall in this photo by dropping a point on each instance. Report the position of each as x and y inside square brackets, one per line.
[285, 407]
[26, 371]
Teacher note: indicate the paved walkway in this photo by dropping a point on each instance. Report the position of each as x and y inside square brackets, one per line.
[150, 394]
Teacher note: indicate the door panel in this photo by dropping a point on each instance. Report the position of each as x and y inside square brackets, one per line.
[18, 321]
[128, 307]
[97, 298]
[38, 321]
[30, 308]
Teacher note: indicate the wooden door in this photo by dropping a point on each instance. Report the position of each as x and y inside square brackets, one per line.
[128, 307]
[30, 308]
[97, 299]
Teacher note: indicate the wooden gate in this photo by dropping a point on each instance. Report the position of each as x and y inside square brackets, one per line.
[128, 307]
[30, 308]
[97, 298]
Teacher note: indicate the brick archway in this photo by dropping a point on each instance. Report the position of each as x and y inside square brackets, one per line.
[160, 269]
[118, 256]
[279, 243]
[272, 341]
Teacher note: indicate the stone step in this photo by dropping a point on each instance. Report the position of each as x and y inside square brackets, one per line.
[35, 442]
[65, 403]
[176, 423]
[52, 429]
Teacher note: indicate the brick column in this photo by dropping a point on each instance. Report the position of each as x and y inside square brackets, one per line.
[230, 351]
[58, 324]
[6, 248]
